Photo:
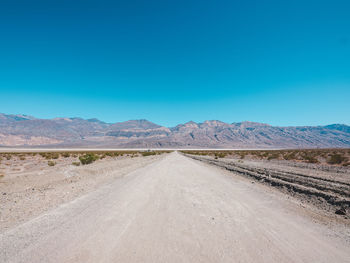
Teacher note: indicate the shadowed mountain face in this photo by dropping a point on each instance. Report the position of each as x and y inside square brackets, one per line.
[22, 130]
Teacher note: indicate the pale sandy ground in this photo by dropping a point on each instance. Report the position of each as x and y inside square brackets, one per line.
[31, 187]
[176, 210]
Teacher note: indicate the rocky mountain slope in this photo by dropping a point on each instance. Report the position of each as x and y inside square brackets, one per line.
[22, 130]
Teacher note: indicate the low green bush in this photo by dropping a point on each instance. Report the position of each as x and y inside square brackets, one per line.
[76, 163]
[148, 153]
[273, 156]
[88, 158]
[65, 155]
[51, 163]
[55, 155]
[336, 159]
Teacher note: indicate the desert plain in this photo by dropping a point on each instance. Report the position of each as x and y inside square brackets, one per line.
[175, 206]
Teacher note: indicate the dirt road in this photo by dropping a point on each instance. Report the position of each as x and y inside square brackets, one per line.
[175, 210]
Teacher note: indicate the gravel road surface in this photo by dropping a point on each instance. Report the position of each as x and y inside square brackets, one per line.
[175, 210]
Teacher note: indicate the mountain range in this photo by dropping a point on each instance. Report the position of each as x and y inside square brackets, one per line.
[23, 130]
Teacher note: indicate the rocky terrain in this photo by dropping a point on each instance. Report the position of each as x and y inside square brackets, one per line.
[22, 130]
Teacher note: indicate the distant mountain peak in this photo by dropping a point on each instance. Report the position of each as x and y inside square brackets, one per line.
[22, 130]
[251, 124]
[339, 127]
[95, 120]
[135, 124]
[62, 119]
[16, 117]
[214, 123]
[191, 124]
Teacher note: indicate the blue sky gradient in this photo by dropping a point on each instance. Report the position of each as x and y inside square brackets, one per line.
[277, 62]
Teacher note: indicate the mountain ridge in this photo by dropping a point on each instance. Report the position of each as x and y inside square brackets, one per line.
[24, 130]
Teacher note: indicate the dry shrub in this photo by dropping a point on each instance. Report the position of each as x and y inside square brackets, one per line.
[76, 163]
[331, 156]
[273, 156]
[148, 153]
[51, 163]
[336, 159]
[65, 155]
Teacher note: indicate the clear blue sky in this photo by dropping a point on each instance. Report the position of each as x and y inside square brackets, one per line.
[278, 62]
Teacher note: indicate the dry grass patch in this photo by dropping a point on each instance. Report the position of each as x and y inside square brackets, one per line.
[323, 156]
